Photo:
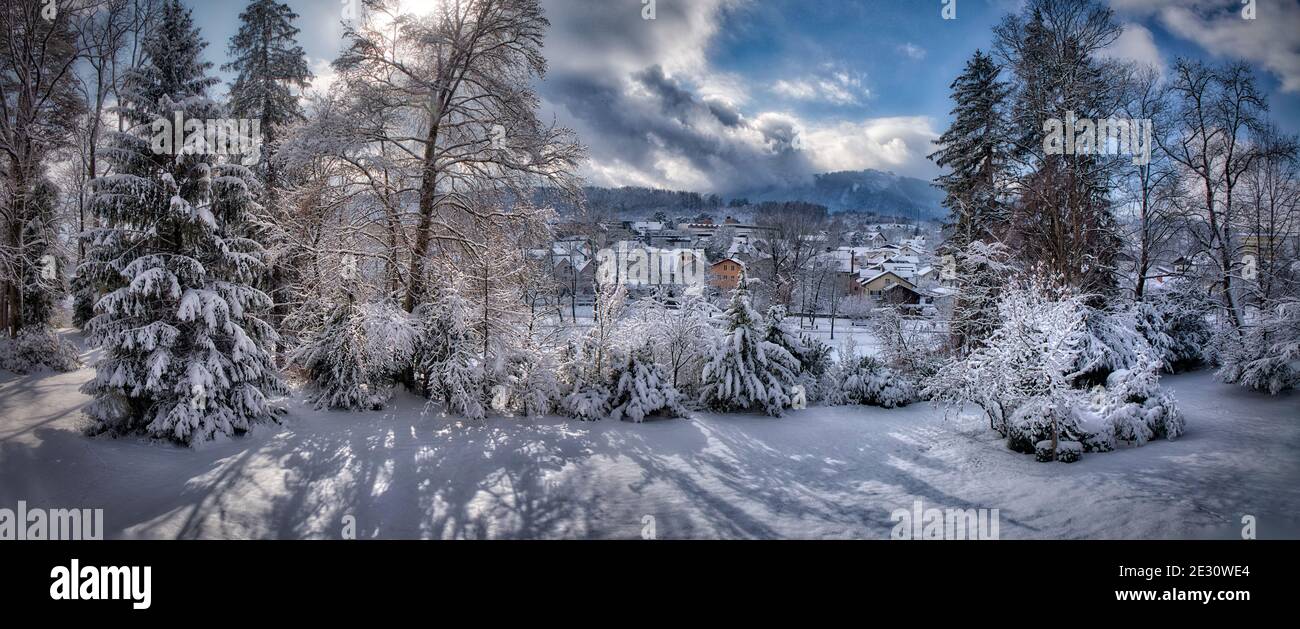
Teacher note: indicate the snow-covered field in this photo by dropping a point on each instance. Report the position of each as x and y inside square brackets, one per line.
[817, 473]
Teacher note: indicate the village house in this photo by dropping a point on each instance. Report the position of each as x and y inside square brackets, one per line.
[725, 274]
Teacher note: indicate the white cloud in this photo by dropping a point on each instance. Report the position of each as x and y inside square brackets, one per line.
[912, 51]
[1219, 27]
[1269, 40]
[898, 143]
[323, 76]
[1136, 44]
[835, 86]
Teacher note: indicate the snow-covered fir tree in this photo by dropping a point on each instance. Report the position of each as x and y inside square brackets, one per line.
[269, 65]
[337, 359]
[642, 388]
[448, 366]
[780, 334]
[184, 355]
[748, 372]
[1268, 358]
[1173, 321]
[980, 271]
[974, 149]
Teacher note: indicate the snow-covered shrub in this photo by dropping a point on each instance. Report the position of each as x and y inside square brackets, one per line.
[1041, 418]
[1109, 341]
[1026, 362]
[356, 355]
[906, 347]
[641, 388]
[1065, 452]
[1027, 375]
[1174, 324]
[1266, 358]
[584, 389]
[38, 347]
[867, 381]
[445, 362]
[746, 370]
[537, 390]
[1136, 408]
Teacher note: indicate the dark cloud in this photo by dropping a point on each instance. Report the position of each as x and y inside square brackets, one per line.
[638, 121]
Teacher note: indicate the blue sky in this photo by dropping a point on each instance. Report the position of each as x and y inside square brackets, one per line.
[726, 95]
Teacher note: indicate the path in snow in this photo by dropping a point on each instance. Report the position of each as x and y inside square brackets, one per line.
[819, 473]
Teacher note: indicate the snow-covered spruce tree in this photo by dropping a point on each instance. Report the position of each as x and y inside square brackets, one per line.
[1174, 324]
[356, 356]
[974, 149]
[447, 366]
[748, 372]
[184, 357]
[642, 388]
[269, 64]
[1135, 409]
[780, 334]
[1267, 358]
[336, 359]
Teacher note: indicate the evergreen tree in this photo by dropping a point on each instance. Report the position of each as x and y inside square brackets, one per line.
[642, 388]
[447, 365]
[42, 282]
[980, 272]
[1268, 358]
[975, 149]
[747, 371]
[583, 382]
[185, 358]
[1061, 216]
[336, 358]
[270, 65]
[779, 334]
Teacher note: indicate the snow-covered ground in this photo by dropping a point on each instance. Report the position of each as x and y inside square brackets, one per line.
[818, 473]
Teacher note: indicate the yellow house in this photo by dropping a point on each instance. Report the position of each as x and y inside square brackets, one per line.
[877, 284]
[725, 273]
